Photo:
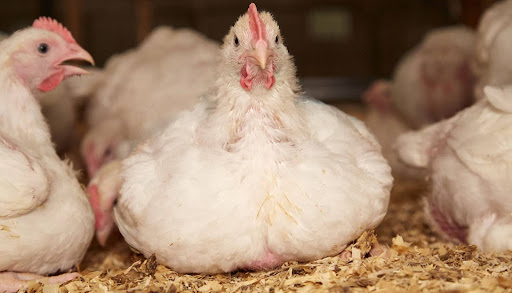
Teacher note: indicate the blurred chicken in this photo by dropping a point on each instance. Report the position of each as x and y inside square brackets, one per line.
[143, 89]
[432, 82]
[255, 175]
[387, 124]
[45, 219]
[493, 46]
[469, 158]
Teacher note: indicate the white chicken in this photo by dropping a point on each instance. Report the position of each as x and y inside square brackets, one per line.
[493, 46]
[46, 223]
[469, 158]
[254, 175]
[59, 107]
[432, 82]
[143, 89]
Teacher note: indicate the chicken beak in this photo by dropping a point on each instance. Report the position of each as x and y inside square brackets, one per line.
[261, 53]
[76, 53]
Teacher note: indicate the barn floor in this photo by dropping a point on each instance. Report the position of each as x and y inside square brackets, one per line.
[417, 260]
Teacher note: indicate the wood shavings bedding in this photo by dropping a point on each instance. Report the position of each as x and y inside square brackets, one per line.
[417, 261]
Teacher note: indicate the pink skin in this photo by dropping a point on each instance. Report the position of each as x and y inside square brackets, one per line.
[256, 69]
[447, 226]
[378, 96]
[12, 282]
[268, 261]
[102, 215]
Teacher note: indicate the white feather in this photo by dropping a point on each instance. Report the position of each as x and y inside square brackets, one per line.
[51, 231]
[470, 159]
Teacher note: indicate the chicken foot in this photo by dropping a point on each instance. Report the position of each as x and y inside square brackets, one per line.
[13, 281]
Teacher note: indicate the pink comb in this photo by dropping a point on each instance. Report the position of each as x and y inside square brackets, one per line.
[256, 24]
[52, 25]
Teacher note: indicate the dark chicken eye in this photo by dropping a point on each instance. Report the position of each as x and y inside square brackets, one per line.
[108, 152]
[236, 41]
[277, 39]
[43, 48]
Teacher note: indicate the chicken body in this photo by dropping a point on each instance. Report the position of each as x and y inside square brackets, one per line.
[143, 89]
[45, 219]
[468, 158]
[432, 82]
[493, 45]
[254, 175]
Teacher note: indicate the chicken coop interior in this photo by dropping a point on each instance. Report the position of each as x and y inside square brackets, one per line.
[188, 152]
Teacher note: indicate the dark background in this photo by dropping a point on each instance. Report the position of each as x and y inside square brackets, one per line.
[348, 38]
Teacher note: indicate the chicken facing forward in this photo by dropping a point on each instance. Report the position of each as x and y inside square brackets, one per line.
[45, 219]
[254, 176]
[469, 158]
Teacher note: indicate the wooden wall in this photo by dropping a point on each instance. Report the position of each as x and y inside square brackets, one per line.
[367, 38]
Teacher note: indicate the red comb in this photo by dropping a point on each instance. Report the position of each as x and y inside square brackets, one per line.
[256, 24]
[52, 25]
